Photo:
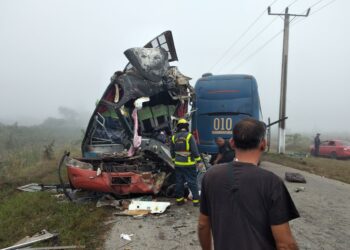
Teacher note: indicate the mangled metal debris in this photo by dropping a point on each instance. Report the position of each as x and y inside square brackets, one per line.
[120, 177]
[31, 187]
[126, 145]
[28, 241]
[108, 200]
[35, 187]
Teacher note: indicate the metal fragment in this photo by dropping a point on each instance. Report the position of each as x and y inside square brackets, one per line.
[27, 241]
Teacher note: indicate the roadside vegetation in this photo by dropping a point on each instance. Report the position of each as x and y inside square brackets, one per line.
[297, 156]
[31, 155]
[330, 168]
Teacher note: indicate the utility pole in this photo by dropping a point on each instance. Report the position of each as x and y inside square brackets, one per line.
[283, 93]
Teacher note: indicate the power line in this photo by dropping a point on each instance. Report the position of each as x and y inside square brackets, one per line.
[276, 35]
[252, 40]
[240, 38]
[318, 2]
[237, 40]
[291, 4]
[256, 51]
[313, 12]
[248, 43]
[318, 10]
[313, 5]
[324, 6]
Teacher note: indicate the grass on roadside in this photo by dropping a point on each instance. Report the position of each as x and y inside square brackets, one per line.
[23, 214]
[334, 169]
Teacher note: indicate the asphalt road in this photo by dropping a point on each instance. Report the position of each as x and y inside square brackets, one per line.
[324, 207]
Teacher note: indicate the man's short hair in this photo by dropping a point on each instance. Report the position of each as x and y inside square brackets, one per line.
[248, 133]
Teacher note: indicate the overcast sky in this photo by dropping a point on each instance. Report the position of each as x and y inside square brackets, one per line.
[62, 53]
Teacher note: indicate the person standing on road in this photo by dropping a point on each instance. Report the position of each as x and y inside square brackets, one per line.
[226, 153]
[185, 155]
[242, 205]
[317, 143]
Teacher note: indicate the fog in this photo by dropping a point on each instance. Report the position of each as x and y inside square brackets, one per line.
[62, 53]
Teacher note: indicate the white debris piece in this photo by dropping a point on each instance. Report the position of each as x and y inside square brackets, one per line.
[32, 187]
[155, 207]
[28, 241]
[126, 236]
[139, 102]
[299, 189]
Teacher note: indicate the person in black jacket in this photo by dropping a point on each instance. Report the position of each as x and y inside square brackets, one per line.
[317, 143]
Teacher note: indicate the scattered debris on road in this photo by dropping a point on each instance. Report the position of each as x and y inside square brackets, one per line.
[126, 236]
[299, 189]
[134, 213]
[155, 207]
[181, 226]
[139, 208]
[295, 177]
[108, 200]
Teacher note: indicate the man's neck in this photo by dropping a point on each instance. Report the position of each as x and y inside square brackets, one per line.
[251, 156]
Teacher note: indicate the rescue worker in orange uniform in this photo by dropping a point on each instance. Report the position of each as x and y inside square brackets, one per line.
[185, 155]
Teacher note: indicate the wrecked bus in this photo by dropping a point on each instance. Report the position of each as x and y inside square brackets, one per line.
[125, 149]
[220, 102]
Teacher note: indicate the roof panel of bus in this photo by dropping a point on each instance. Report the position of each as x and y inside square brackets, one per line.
[225, 77]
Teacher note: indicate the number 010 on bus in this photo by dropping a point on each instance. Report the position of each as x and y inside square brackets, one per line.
[222, 126]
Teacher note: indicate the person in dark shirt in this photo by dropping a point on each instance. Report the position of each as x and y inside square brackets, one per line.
[242, 205]
[226, 153]
[317, 142]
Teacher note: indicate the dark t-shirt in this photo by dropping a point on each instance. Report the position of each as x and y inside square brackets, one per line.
[227, 153]
[243, 201]
[317, 141]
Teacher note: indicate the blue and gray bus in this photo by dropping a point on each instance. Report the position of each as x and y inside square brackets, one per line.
[220, 102]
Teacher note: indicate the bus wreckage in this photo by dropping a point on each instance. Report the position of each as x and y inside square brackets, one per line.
[125, 149]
